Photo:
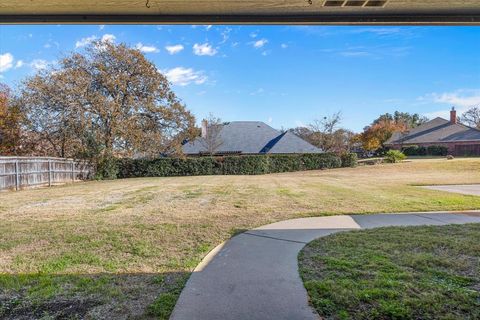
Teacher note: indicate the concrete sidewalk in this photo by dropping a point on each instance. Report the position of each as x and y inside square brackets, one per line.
[468, 189]
[255, 275]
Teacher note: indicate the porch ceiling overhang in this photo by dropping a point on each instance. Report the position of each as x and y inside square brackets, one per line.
[363, 12]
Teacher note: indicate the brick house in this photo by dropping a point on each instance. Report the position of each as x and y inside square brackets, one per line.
[460, 139]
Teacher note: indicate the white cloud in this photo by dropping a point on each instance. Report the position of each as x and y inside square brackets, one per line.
[19, 64]
[174, 49]
[208, 27]
[270, 119]
[85, 41]
[108, 38]
[204, 49]
[39, 64]
[253, 34]
[101, 27]
[260, 43]
[284, 45]
[184, 76]
[461, 99]
[146, 49]
[6, 61]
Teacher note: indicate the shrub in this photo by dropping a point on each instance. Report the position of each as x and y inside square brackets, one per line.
[320, 161]
[437, 150]
[394, 156]
[107, 168]
[410, 151]
[245, 165]
[230, 165]
[349, 159]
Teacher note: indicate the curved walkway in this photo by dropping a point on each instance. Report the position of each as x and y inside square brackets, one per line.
[254, 275]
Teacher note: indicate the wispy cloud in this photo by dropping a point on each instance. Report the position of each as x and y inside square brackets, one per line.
[86, 41]
[174, 49]
[204, 49]
[6, 61]
[257, 92]
[225, 33]
[355, 53]
[146, 49]
[373, 52]
[184, 76]
[379, 31]
[392, 31]
[39, 64]
[461, 99]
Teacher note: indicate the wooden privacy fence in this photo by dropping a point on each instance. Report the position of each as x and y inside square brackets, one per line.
[18, 173]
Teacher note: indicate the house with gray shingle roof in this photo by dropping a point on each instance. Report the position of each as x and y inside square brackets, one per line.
[248, 137]
[458, 138]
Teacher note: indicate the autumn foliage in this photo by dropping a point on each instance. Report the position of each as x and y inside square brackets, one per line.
[105, 101]
[10, 121]
[375, 135]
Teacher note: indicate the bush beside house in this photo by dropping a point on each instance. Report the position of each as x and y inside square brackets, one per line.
[229, 165]
[434, 150]
[394, 156]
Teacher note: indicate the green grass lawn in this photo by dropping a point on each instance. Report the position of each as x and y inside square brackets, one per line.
[123, 249]
[395, 273]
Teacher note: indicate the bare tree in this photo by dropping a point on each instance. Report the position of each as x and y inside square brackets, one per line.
[471, 117]
[211, 134]
[327, 134]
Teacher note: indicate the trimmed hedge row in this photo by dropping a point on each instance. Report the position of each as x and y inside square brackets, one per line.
[230, 165]
[425, 151]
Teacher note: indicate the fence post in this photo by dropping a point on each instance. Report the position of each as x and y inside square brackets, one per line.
[49, 173]
[73, 171]
[17, 176]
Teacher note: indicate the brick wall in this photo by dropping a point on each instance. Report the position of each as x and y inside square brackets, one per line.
[464, 148]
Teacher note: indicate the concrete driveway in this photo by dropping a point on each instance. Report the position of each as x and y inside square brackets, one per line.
[254, 275]
[469, 189]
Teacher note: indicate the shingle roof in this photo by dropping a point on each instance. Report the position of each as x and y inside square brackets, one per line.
[437, 130]
[252, 137]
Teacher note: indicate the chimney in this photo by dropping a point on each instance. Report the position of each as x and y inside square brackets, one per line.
[453, 116]
[204, 128]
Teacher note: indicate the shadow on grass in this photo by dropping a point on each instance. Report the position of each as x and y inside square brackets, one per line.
[94, 296]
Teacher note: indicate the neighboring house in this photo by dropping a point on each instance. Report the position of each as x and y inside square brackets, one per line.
[247, 137]
[458, 138]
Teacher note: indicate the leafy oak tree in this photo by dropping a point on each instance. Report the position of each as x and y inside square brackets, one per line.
[106, 101]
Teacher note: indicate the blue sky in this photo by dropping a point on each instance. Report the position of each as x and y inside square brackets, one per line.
[283, 75]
